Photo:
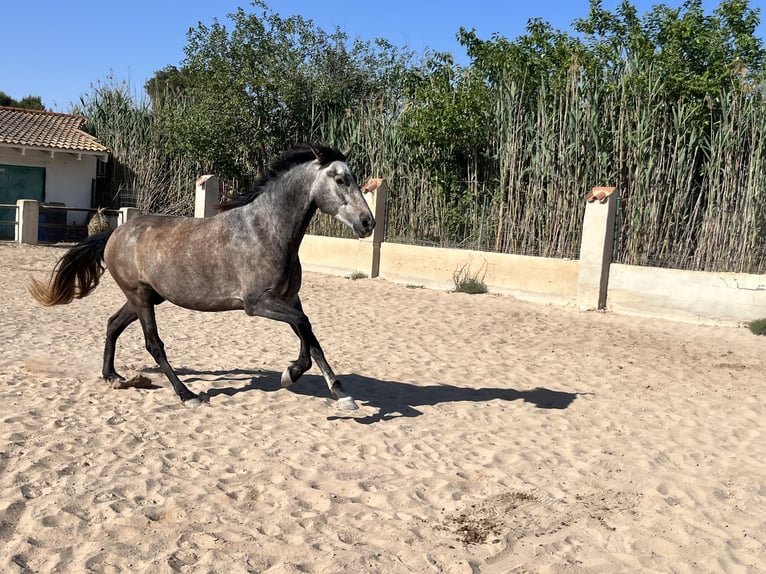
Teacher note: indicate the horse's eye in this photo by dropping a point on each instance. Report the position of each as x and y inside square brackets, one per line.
[339, 180]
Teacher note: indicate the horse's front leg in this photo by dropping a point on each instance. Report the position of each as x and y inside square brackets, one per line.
[267, 306]
[345, 401]
[303, 363]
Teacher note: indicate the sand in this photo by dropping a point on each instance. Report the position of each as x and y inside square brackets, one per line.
[493, 436]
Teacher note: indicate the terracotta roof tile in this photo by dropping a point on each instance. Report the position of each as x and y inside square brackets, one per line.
[46, 130]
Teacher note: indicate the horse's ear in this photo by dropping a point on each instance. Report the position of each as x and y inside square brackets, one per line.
[348, 151]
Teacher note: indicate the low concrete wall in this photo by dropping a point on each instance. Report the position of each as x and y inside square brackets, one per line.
[336, 256]
[538, 279]
[692, 296]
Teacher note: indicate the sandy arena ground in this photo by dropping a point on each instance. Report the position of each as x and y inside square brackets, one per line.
[494, 436]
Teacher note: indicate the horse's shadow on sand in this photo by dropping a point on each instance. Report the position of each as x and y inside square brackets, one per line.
[392, 399]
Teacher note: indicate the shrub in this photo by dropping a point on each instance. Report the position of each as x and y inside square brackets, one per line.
[758, 326]
[468, 282]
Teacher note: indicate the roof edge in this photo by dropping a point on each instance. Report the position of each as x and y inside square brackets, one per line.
[103, 155]
[46, 112]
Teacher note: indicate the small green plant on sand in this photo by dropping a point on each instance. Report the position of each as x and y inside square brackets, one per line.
[758, 326]
[468, 282]
[357, 275]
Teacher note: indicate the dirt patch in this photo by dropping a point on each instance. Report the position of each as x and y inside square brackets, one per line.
[520, 515]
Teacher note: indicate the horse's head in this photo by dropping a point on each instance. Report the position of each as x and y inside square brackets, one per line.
[336, 192]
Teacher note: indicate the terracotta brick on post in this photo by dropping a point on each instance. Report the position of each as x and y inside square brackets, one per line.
[206, 196]
[27, 221]
[596, 248]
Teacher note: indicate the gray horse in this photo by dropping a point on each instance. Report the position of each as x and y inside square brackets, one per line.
[245, 257]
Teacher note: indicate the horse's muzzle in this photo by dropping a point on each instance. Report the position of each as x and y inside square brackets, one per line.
[365, 227]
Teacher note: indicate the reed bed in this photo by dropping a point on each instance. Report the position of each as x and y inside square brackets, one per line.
[143, 175]
[691, 175]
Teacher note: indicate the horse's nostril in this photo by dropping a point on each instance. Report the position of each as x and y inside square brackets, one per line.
[368, 223]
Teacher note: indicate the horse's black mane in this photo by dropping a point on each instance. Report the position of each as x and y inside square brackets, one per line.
[296, 155]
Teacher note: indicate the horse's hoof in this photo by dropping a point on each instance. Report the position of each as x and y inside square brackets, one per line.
[287, 380]
[347, 404]
[193, 403]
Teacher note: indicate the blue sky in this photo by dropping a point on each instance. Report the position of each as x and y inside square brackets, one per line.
[58, 50]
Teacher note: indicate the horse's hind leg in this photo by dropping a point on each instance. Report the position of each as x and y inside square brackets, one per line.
[156, 348]
[114, 328]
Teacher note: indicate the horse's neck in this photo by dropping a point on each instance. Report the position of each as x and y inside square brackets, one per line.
[284, 214]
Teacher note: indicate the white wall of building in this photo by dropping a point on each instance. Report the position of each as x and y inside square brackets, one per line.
[67, 179]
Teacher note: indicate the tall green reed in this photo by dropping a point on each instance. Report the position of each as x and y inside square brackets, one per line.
[692, 193]
[143, 175]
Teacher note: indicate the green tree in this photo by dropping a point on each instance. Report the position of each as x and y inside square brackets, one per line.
[245, 92]
[697, 55]
[543, 54]
[28, 102]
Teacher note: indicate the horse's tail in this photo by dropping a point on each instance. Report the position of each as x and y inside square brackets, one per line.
[75, 275]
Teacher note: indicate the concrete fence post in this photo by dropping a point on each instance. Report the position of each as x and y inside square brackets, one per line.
[27, 221]
[126, 214]
[596, 248]
[376, 194]
[206, 196]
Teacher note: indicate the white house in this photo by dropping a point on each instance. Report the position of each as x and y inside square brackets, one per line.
[48, 157]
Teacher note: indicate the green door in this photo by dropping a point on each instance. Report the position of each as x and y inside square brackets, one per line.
[18, 182]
